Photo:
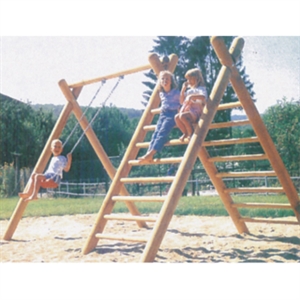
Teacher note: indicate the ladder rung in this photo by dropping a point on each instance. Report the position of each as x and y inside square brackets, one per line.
[211, 126]
[229, 105]
[231, 141]
[147, 179]
[229, 124]
[257, 220]
[254, 190]
[139, 198]
[262, 205]
[238, 157]
[149, 127]
[224, 106]
[246, 174]
[120, 238]
[156, 111]
[129, 218]
[156, 161]
[206, 143]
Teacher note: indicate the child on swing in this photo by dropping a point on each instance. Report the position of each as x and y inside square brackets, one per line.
[193, 102]
[51, 178]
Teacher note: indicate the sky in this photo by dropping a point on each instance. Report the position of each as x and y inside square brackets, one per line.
[32, 67]
[43, 42]
[32, 63]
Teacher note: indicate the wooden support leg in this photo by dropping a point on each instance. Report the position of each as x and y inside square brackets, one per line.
[39, 168]
[96, 145]
[130, 154]
[261, 132]
[188, 162]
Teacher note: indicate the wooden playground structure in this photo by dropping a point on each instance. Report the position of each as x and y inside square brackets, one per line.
[195, 148]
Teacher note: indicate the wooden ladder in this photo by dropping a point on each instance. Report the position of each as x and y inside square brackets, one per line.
[196, 148]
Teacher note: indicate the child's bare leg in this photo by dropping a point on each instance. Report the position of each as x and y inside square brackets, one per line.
[30, 189]
[185, 119]
[181, 126]
[37, 184]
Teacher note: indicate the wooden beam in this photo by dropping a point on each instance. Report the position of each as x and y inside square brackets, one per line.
[39, 168]
[111, 76]
[130, 154]
[91, 136]
[187, 164]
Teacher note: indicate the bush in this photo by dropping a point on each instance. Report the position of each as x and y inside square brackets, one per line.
[7, 180]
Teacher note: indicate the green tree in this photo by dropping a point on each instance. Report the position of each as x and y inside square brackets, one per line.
[23, 131]
[283, 123]
[113, 129]
[199, 52]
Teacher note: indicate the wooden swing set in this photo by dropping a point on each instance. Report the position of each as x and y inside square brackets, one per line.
[196, 148]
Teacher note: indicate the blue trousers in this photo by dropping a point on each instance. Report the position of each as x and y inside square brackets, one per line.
[164, 126]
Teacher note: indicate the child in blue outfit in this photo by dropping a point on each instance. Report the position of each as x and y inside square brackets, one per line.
[51, 178]
[170, 104]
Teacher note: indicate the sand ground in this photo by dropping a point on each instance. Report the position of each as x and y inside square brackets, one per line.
[191, 239]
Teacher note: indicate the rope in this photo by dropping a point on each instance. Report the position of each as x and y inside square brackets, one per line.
[98, 111]
[94, 97]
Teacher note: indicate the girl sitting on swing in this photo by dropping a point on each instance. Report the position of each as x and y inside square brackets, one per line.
[51, 178]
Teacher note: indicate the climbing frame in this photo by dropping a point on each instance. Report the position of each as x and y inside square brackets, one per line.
[196, 148]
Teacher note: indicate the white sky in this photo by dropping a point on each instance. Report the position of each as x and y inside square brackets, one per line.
[34, 58]
[31, 68]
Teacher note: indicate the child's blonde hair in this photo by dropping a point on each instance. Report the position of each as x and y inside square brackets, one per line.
[173, 80]
[196, 73]
[56, 141]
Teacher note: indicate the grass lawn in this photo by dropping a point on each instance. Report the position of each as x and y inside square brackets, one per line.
[192, 205]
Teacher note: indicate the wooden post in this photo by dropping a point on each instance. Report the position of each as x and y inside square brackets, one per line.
[131, 153]
[262, 133]
[186, 166]
[90, 134]
[39, 168]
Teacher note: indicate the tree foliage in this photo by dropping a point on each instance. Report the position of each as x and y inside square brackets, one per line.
[24, 131]
[283, 123]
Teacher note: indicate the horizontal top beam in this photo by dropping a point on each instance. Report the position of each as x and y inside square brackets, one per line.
[111, 76]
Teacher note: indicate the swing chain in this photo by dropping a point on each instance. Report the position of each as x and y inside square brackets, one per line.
[98, 111]
[89, 105]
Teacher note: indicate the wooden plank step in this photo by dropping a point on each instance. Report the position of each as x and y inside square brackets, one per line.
[121, 238]
[149, 127]
[238, 158]
[177, 142]
[246, 174]
[129, 218]
[231, 141]
[212, 126]
[155, 111]
[156, 161]
[254, 190]
[258, 220]
[262, 205]
[139, 198]
[229, 105]
[229, 124]
[130, 180]
[224, 106]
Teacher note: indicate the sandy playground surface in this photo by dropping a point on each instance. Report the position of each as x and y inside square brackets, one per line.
[188, 239]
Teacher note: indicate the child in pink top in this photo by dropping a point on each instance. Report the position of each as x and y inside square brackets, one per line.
[193, 102]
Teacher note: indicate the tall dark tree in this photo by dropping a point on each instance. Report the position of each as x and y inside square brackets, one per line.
[199, 53]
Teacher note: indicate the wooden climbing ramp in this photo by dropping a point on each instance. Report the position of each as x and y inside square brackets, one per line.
[196, 148]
